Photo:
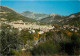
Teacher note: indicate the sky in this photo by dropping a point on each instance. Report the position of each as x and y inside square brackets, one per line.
[61, 7]
[40, 0]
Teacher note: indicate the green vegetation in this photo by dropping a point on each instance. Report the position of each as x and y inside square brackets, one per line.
[46, 48]
[25, 35]
[62, 42]
[9, 40]
[68, 45]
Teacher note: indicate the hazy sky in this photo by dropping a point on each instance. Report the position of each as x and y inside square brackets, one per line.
[44, 6]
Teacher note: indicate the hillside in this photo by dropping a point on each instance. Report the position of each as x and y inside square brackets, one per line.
[33, 15]
[53, 18]
[11, 15]
[73, 19]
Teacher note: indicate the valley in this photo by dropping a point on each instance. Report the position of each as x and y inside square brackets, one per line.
[32, 34]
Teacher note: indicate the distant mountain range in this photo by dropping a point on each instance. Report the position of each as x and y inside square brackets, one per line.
[44, 18]
[73, 19]
[33, 15]
[53, 19]
[12, 15]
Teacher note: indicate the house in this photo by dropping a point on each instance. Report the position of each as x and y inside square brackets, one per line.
[32, 31]
[72, 30]
[41, 32]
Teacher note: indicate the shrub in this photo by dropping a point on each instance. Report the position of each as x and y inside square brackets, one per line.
[46, 48]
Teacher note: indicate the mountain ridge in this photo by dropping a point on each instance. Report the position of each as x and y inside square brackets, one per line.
[73, 19]
[34, 15]
[53, 18]
[11, 15]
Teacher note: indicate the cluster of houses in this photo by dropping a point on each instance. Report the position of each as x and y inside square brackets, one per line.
[71, 28]
[43, 28]
[31, 26]
[67, 27]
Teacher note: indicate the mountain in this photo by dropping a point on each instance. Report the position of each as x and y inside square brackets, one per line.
[11, 15]
[73, 19]
[53, 19]
[36, 16]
